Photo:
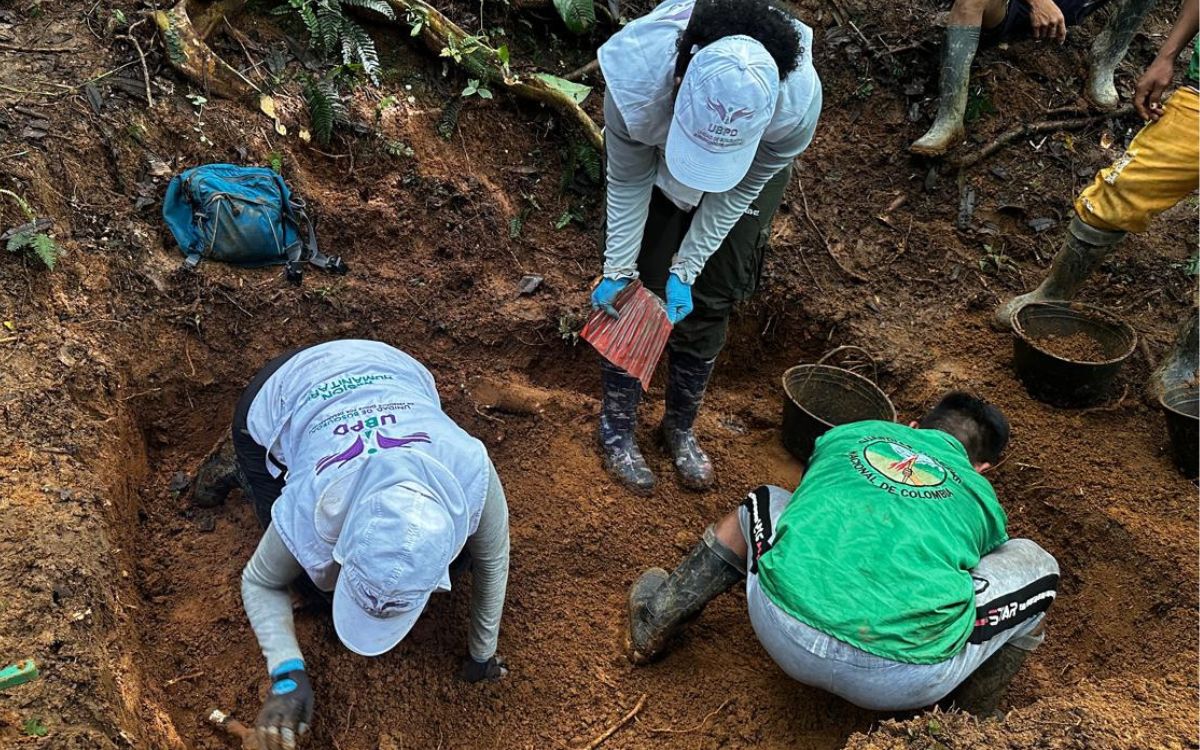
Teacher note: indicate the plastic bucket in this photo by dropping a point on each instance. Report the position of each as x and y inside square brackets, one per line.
[1062, 380]
[1181, 405]
[817, 397]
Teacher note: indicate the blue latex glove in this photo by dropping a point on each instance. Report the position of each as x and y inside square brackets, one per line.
[605, 294]
[679, 299]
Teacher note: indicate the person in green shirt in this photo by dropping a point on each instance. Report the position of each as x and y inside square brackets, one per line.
[887, 577]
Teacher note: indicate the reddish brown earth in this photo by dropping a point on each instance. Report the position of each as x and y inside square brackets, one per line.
[118, 372]
[1077, 347]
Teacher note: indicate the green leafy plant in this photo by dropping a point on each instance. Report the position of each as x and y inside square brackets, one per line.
[569, 327]
[578, 15]
[198, 102]
[398, 149]
[580, 158]
[325, 106]
[568, 216]
[34, 727]
[475, 88]
[31, 237]
[333, 32]
[979, 103]
[275, 159]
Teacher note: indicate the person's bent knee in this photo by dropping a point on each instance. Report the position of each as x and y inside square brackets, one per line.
[1039, 562]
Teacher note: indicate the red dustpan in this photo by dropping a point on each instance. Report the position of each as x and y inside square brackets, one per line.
[634, 341]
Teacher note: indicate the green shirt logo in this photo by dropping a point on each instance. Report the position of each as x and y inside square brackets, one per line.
[903, 465]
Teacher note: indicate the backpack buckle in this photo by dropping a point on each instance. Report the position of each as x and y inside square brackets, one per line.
[295, 271]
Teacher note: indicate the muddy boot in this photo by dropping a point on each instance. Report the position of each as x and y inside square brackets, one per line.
[947, 130]
[618, 421]
[659, 603]
[1109, 49]
[1181, 365]
[686, 382]
[217, 476]
[981, 693]
[1083, 250]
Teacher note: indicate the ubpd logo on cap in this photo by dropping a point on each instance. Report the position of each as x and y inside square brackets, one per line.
[725, 103]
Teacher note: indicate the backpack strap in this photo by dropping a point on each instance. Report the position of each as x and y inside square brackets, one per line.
[312, 254]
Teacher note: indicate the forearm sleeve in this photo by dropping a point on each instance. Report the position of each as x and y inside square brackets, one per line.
[630, 180]
[268, 602]
[489, 548]
[718, 212]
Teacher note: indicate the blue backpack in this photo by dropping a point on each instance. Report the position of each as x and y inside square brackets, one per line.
[246, 216]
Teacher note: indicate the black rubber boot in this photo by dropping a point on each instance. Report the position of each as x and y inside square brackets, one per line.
[660, 602]
[687, 380]
[1182, 363]
[1083, 250]
[618, 422]
[982, 692]
[217, 476]
[947, 131]
[1109, 49]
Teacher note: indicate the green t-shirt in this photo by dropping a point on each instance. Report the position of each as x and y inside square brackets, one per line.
[1193, 74]
[877, 544]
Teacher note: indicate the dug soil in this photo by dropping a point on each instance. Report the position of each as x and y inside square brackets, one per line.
[1077, 347]
[120, 372]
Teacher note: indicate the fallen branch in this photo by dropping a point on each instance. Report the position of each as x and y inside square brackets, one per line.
[613, 729]
[48, 50]
[440, 33]
[585, 70]
[1036, 128]
[145, 70]
[825, 240]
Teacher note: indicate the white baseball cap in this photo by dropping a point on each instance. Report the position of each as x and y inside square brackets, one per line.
[725, 102]
[395, 550]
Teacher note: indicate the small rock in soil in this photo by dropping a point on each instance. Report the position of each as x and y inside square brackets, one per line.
[966, 208]
[179, 482]
[206, 523]
[1041, 224]
[529, 284]
[1000, 173]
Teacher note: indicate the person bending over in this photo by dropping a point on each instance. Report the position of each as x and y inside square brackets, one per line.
[887, 577]
[368, 493]
[706, 106]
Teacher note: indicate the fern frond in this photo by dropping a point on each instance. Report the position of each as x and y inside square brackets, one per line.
[323, 102]
[379, 6]
[578, 15]
[329, 28]
[45, 248]
[358, 46]
[588, 158]
[19, 241]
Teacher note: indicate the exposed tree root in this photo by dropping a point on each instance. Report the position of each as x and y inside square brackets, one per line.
[191, 56]
[440, 33]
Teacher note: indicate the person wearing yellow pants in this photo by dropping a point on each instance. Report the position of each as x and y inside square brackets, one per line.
[1160, 168]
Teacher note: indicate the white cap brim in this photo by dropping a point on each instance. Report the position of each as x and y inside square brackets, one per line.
[365, 634]
[701, 169]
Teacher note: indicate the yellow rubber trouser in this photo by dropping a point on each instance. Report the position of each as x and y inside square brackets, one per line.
[1160, 168]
